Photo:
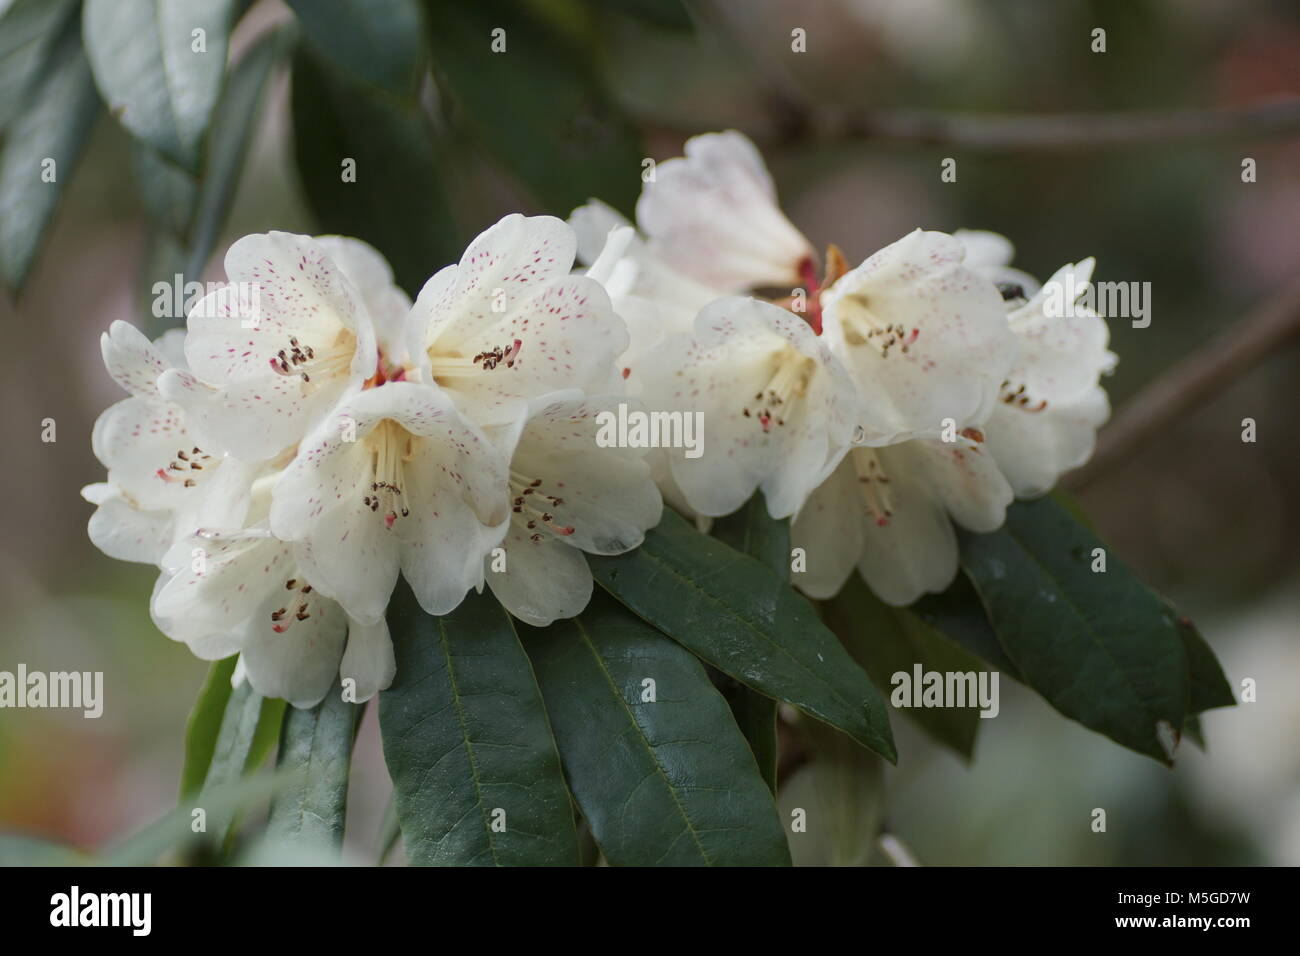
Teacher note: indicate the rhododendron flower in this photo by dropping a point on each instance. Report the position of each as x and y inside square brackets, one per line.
[567, 495]
[510, 323]
[1052, 403]
[163, 479]
[925, 337]
[395, 478]
[779, 408]
[889, 512]
[281, 343]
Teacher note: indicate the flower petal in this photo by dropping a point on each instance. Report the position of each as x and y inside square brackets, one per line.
[544, 580]
[829, 529]
[713, 215]
[369, 659]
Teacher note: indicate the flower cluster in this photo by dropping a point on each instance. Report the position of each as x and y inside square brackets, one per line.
[314, 434]
[876, 406]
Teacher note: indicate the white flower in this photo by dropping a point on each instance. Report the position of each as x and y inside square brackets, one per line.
[163, 480]
[395, 478]
[713, 216]
[889, 512]
[1052, 403]
[925, 337]
[778, 408]
[510, 323]
[294, 329]
[567, 495]
[654, 300]
[245, 593]
[990, 254]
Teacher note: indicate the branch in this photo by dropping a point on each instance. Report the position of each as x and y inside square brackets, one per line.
[1193, 381]
[1046, 132]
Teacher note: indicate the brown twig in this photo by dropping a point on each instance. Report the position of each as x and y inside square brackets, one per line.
[994, 132]
[1192, 381]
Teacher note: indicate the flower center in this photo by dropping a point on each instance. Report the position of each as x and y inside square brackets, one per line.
[391, 446]
[533, 506]
[873, 483]
[790, 377]
[302, 360]
[188, 468]
[1014, 395]
[446, 366]
[863, 327]
[295, 610]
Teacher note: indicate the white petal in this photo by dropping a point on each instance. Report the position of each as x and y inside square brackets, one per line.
[829, 529]
[606, 493]
[1034, 449]
[368, 659]
[508, 263]
[926, 338]
[368, 270]
[131, 359]
[966, 479]
[282, 287]
[591, 225]
[128, 533]
[544, 581]
[724, 371]
[713, 215]
[568, 336]
[300, 663]
[914, 551]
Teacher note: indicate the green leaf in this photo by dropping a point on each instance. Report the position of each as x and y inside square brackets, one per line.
[670, 14]
[958, 614]
[21, 849]
[204, 725]
[232, 128]
[379, 41]
[754, 532]
[53, 126]
[28, 31]
[1207, 686]
[733, 612]
[668, 781]
[887, 641]
[1100, 647]
[396, 202]
[538, 106]
[249, 729]
[145, 65]
[318, 744]
[475, 770]
[167, 191]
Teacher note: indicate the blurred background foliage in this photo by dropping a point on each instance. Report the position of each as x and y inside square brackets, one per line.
[583, 92]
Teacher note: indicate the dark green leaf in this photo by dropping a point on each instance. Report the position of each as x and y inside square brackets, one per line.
[754, 532]
[379, 41]
[958, 614]
[52, 127]
[733, 612]
[232, 128]
[475, 770]
[1101, 647]
[537, 106]
[1207, 686]
[396, 203]
[662, 13]
[145, 63]
[662, 781]
[249, 729]
[204, 725]
[28, 31]
[167, 191]
[317, 745]
[887, 641]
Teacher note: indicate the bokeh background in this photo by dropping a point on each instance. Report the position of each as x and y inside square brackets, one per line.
[1207, 519]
